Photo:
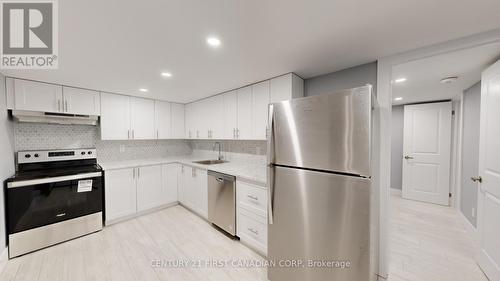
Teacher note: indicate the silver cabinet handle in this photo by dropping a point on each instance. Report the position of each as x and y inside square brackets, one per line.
[133, 173]
[238, 133]
[220, 179]
[477, 179]
[133, 135]
[157, 134]
[253, 231]
[58, 105]
[66, 105]
[408, 157]
[128, 134]
[270, 164]
[138, 172]
[253, 197]
[182, 168]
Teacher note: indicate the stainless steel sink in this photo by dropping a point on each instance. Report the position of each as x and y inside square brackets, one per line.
[210, 162]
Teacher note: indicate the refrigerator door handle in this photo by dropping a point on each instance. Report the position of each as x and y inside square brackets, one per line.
[270, 160]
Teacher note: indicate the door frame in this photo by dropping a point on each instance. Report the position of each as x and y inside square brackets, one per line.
[382, 138]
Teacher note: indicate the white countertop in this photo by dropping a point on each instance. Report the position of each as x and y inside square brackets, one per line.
[247, 172]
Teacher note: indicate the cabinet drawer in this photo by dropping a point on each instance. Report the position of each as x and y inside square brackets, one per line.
[252, 230]
[252, 198]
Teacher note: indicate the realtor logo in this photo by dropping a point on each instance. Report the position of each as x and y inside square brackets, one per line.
[29, 35]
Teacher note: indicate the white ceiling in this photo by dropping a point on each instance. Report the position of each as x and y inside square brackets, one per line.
[121, 46]
[423, 76]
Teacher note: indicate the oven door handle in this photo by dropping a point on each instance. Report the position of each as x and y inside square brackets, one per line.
[52, 179]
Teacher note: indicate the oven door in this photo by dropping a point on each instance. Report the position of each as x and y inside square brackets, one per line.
[39, 202]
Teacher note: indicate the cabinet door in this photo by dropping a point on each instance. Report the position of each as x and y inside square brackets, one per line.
[120, 193]
[286, 87]
[115, 117]
[36, 96]
[230, 115]
[189, 121]
[260, 103]
[163, 120]
[216, 120]
[188, 186]
[149, 187]
[202, 118]
[80, 101]
[170, 174]
[201, 192]
[244, 129]
[181, 182]
[142, 119]
[177, 123]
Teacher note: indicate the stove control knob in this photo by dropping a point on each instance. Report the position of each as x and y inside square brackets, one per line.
[36, 155]
[83, 152]
[90, 152]
[27, 155]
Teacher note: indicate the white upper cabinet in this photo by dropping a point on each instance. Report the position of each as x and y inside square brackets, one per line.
[285, 87]
[115, 117]
[230, 115]
[36, 96]
[215, 117]
[260, 103]
[81, 101]
[244, 129]
[163, 120]
[45, 97]
[177, 121]
[142, 117]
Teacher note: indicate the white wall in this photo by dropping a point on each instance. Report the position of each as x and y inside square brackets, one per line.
[397, 147]
[6, 155]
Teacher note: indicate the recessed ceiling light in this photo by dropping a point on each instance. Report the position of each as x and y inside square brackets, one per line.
[144, 90]
[166, 74]
[449, 80]
[213, 41]
[400, 80]
[398, 98]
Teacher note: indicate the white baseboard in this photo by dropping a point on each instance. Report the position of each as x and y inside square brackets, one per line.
[396, 192]
[469, 228]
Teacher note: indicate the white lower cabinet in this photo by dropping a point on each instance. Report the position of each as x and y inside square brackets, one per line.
[132, 190]
[193, 191]
[120, 193]
[251, 215]
[149, 187]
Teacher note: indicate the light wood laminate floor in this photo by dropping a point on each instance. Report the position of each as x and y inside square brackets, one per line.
[427, 243]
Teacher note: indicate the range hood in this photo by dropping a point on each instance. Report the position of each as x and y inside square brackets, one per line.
[54, 118]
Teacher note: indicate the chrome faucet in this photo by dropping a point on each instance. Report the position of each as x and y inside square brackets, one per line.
[220, 157]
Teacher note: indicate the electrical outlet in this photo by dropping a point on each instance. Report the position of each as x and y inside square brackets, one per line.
[473, 212]
[122, 148]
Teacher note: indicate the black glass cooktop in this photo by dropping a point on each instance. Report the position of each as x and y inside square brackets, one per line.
[54, 169]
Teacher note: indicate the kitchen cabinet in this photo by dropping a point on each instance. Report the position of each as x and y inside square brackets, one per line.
[149, 187]
[45, 97]
[37, 96]
[163, 119]
[177, 121]
[244, 129]
[286, 87]
[212, 110]
[260, 104]
[193, 192]
[81, 101]
[120, 193]
[189, 121]
[170, 174]
[230, 115]
[115, 117]
[142, 119]
[251, 215]
[132, 190]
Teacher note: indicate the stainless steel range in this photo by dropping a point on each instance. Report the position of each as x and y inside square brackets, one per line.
[55, 196]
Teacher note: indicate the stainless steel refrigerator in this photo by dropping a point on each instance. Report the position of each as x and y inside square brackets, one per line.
[320, 188]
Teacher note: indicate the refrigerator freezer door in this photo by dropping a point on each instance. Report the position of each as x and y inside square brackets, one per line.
[320, 217]
[325, 132]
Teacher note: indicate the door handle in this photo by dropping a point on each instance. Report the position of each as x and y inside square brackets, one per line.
[58, 105]
[477, 179]
[253, 197]
[408, 157]
[66, 105]
[270, 169]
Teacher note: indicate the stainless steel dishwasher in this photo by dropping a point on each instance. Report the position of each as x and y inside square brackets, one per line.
[222, 201]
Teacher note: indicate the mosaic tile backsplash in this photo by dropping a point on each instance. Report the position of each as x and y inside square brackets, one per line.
[35, 136]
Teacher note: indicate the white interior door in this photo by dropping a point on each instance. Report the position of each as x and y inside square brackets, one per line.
[426, 152]
[489, 170]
